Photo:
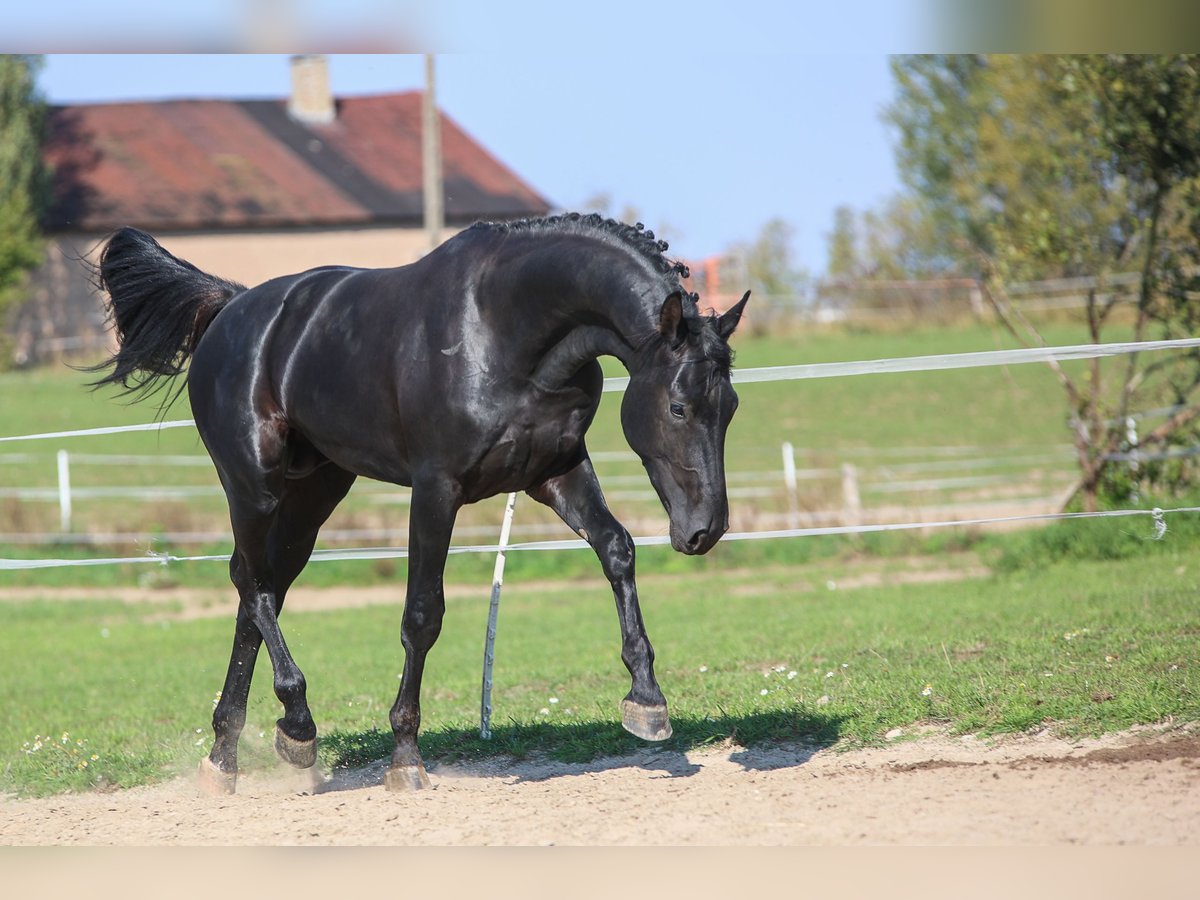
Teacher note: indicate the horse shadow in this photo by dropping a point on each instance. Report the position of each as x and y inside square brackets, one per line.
[520, 753]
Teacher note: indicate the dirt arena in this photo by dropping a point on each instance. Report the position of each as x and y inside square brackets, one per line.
[1136, 788]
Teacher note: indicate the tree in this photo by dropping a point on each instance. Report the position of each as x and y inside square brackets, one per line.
[24, 185]
[894, 242]
[940, 103]
[1047, 166]
[843, 245]
[768, 264]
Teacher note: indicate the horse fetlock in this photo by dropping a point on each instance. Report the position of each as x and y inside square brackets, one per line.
[650, 723]
[214, 781]
[302, 754]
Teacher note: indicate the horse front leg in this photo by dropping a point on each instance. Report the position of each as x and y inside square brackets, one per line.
[578, 500]
[430, 523]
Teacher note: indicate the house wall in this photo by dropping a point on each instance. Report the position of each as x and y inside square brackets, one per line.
[63, 315]
[255, 257]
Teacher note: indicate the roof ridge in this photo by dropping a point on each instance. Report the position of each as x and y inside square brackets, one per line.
[231, 100]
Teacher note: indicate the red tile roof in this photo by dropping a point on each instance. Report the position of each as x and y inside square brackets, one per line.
[199, 164]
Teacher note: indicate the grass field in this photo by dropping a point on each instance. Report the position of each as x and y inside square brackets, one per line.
[1086, 627]
[101, 692]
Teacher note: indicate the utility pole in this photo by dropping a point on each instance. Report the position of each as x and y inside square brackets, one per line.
[431, 156]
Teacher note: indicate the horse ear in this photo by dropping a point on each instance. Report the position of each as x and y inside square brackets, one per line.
[729, 319]
[670, 319]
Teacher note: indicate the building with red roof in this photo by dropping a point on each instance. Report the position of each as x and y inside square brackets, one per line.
[249, 189]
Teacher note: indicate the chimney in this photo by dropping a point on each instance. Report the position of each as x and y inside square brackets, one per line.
[311, 102]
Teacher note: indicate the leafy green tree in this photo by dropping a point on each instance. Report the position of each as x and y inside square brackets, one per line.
[940, 103]
[843, 245]
[1031, 167]
[23, 179]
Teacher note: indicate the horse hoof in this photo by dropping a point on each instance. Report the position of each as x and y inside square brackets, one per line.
[213, 781]
[301, 754]
[650, 723]
[403, 779]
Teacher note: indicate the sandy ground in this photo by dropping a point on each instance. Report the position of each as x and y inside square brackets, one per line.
[1140, 787]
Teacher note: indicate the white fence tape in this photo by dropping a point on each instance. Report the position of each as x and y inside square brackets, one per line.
[111, 429]
[363, 553]
[813, 370]
[941, 362]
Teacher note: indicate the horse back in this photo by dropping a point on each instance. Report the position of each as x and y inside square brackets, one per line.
[386, 371]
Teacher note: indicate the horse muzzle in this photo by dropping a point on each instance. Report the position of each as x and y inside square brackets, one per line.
[696, 541]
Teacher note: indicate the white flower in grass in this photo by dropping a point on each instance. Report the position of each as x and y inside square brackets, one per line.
[764, 692]
[828, 674]
[927, 690]
[704, 668]
[544, 711]
[553, 699]
[791, 674]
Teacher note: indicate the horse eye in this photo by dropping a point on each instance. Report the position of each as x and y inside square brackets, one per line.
[677, 410]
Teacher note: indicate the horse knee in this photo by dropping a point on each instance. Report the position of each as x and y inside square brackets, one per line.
[618, 554]
[422, 625]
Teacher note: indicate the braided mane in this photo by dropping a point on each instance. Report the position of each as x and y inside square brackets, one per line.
[637, 237]
[641, 240]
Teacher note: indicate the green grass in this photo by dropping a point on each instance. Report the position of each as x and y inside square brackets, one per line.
[1083, 646]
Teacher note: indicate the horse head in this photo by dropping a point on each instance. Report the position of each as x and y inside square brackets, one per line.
[675, 413]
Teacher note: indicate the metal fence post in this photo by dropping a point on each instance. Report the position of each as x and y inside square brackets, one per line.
[489, 657]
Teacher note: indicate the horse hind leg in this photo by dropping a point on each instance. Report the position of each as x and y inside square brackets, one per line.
[273, 541]
[303, 509]
[250, 572]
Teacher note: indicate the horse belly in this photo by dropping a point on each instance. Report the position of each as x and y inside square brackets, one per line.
[525, 455]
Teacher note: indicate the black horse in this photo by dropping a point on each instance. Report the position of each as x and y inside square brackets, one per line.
[469, 373]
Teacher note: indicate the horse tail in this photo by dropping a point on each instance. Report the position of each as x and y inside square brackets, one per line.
[159, 305]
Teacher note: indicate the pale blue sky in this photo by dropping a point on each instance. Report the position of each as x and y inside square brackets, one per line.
[708, 146]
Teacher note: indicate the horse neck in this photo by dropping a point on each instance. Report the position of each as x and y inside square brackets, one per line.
[609, 300]
[615, 288]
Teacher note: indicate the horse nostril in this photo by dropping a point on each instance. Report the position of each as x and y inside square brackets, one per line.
[697, 539]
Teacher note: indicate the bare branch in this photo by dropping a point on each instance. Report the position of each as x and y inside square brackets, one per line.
[1007, 312]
